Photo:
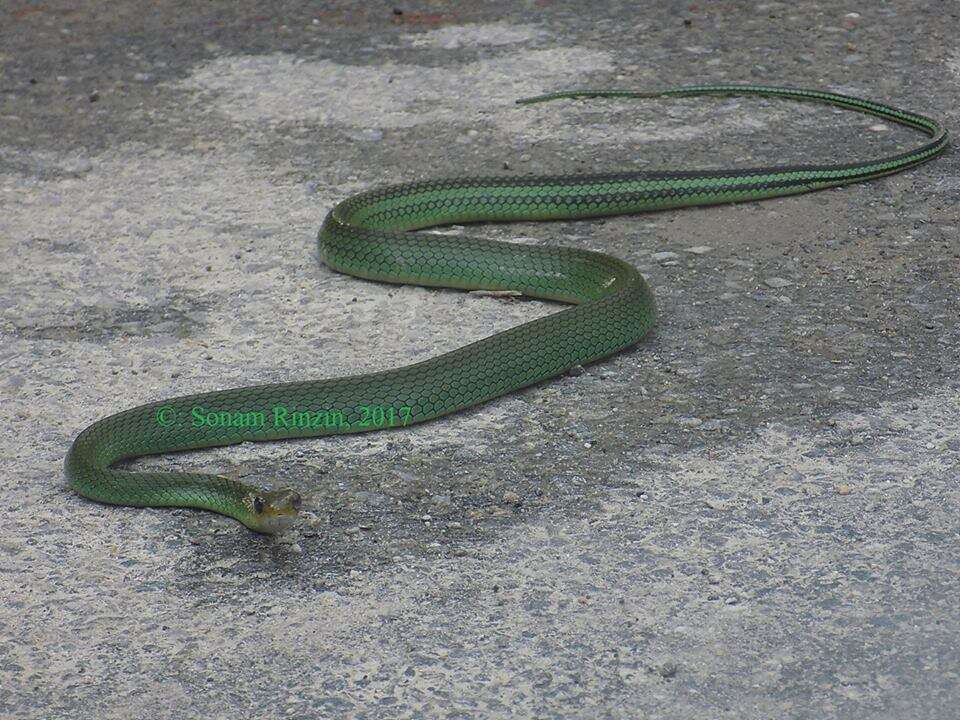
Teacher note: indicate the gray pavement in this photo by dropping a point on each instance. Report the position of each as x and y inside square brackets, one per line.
[751, 514]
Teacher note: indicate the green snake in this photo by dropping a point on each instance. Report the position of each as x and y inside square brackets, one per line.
[611, 308]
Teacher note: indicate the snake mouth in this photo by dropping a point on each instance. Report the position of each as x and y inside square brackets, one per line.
[278, 524]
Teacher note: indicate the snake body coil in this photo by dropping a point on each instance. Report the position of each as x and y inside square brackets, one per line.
[612, 308]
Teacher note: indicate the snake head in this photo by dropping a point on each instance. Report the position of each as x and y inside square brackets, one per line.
[271, 511]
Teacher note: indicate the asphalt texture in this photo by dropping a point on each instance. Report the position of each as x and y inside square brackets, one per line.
[754, 513]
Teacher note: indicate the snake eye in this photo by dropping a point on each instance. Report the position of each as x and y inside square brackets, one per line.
[258, 505]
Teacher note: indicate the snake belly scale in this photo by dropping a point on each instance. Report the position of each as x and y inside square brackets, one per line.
[367, 235]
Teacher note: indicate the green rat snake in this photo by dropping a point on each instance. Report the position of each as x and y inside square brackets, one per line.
[611, 308]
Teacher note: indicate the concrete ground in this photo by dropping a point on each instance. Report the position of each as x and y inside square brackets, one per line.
[755, 513]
